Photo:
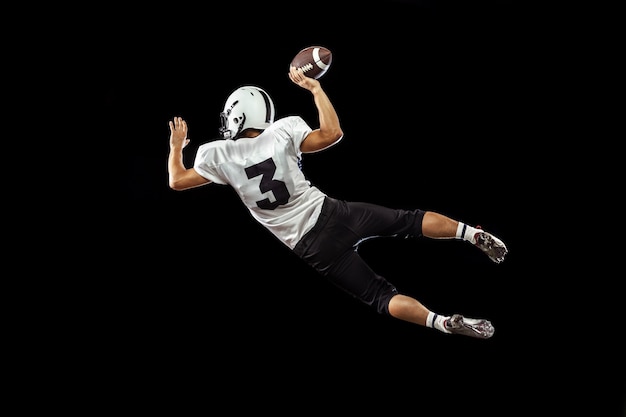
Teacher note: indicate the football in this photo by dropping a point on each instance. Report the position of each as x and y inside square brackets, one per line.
[313, 60]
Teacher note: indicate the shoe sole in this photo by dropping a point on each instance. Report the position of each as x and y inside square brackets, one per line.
[495, 249]
[481, 329]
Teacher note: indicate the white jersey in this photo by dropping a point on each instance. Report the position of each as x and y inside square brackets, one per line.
[265, 172]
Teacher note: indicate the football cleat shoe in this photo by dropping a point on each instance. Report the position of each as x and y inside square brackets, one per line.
[494, 248]
[481, 329]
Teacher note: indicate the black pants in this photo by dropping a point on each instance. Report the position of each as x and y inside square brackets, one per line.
[331, 246]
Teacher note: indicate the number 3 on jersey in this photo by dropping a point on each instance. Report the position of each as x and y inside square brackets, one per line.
[267, 169]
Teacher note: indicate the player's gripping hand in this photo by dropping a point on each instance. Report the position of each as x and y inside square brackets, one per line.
[297, 77]
[178, 133]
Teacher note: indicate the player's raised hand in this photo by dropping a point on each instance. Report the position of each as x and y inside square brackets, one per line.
[297, 76]
[178, 133]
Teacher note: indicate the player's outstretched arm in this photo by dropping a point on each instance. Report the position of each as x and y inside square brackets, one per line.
[329, 131]
[180, 178]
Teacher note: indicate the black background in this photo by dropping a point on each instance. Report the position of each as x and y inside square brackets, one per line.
[195, 305]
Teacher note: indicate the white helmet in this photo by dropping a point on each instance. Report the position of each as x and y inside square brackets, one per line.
[247, 107]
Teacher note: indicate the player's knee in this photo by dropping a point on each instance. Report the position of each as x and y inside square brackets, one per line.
[384, 300]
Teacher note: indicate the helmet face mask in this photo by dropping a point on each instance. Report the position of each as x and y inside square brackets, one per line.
[247, 107]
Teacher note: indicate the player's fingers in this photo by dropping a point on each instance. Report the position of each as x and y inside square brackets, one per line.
[179, 123]
[295, 72]
[296, 76]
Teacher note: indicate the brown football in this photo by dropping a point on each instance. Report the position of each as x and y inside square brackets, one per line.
[313, 60]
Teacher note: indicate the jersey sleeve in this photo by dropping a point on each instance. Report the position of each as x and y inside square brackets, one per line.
[206, 162]
[299, 130]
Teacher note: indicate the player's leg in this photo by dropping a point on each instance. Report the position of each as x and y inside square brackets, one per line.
[329, 248]
[368, 220]
[409, 309]
[439, 226]
[351, 273]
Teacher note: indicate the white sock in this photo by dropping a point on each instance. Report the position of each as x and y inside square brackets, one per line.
[466, 232]
[436, 321]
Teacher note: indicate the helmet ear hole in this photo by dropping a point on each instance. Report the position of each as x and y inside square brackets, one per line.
[247, 107]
